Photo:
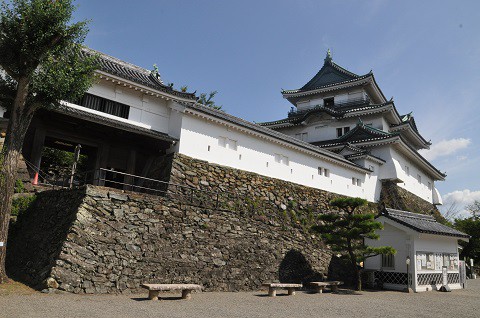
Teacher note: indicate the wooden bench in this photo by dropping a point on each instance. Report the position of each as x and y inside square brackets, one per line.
[320, 286]
[272, 288]
[155, 289]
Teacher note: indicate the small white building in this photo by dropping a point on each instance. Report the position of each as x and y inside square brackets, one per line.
[430, 246]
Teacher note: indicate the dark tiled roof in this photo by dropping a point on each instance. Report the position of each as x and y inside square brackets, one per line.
[74, 112]
[330, 74]
[114, 66]
[331, 110]
[301, 90]
[421, 223]
[360, 133]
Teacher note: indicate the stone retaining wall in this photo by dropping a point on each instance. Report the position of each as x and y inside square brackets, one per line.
[97, 240]
[100, 240]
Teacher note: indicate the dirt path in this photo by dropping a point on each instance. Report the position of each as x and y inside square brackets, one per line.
[459, 303]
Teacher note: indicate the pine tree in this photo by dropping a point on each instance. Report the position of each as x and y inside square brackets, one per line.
[345, 231]
[41, 63]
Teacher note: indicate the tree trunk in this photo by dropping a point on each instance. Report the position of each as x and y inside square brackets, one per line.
[17, 128]
[353, 261]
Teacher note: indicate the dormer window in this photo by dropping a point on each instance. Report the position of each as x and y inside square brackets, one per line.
[329, 101]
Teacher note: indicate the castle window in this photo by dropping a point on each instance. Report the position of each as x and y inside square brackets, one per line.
[342, 131]
[301, 136]
[407, 170]
[227, 143]
[329, 101]
[429, 186]
[222, 142]
[232, 144]
[104, 105]
[320, 171]
[282, 159]
[419, 178]
[388, 261]
[208, 148]
[326, 173]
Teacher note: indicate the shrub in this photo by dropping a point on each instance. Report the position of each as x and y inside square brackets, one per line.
[21, 204]
[19, 187]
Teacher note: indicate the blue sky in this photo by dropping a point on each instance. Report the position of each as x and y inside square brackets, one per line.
[426, 54]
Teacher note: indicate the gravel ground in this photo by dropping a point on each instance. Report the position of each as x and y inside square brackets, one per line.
[459, 303]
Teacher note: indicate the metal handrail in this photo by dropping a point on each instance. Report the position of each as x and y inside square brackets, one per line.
[218, 200]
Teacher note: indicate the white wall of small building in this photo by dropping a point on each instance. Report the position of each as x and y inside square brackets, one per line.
[200, 139]
[390, 236]
[2, 111]
[407, 242]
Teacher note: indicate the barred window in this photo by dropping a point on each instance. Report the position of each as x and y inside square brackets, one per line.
[104, 105]
[388, 261]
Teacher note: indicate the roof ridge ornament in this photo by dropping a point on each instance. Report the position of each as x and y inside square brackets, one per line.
[155, 72]
[328, 58]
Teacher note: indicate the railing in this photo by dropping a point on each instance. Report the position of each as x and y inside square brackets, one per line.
[216, 200]
[337, 106]
[221, 200]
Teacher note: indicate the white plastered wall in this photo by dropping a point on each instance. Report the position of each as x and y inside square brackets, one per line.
[148, 110]
[395, 167]
[200, 139]
[389, 236]
[436, 244]
[324, 127]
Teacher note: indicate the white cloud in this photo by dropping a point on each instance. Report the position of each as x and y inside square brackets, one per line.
[445, 148]
[458, 200]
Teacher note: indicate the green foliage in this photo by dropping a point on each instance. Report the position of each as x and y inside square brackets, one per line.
[21, 204]
[348, 204]
[344, 232]
[19, 186]
[470, 226]
[39, 46]
[208, 101]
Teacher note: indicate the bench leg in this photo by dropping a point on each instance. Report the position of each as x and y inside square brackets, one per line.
[319, 289]
[153, 294]
[186, 294]
[272, 292]
[291, 291]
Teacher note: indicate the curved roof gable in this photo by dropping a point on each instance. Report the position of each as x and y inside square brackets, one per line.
[330, 73]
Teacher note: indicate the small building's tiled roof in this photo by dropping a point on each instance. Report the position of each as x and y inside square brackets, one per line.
[421, 223]
[136, 74]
